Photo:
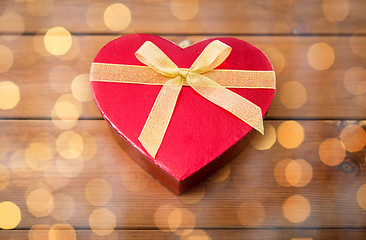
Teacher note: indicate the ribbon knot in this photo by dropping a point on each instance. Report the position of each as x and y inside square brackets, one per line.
[183, 73]
[212, 56]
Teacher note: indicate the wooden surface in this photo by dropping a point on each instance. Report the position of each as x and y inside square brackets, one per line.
[60, 165]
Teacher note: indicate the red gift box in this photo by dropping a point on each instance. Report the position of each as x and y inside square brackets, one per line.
[201, 136]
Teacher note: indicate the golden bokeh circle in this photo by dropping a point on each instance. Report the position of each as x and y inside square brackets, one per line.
[161, 216]
[12, 22]
[290, 134]
[117, 17]
[10, 215]
[266, 141]
[73, 51]
[353, 137]
[39, 156]
[296, 209]
[69, 168]
[4, 177]
[279, 172]
[361, 196]
[19, 167]
[69, 144]
[181, 221]
[9, 95]
[293, 95]
[184, 9]
[332, 152]
[277, 59]
[38, 43]
[197, 234]
[321, 56]
[298, 173]
[102, 221]
[98, 191]
[64, 207]
[335, 10]
[90, 146]
[355, 80]
[221, 175]
[94, 16]
[57, 41]
[358, 43]
[80, 88]
[251, 213]
[39, 232]
[40, 202]
[194, 195]
[6, 58]
[54, 178]
[40, 8]
[61, 232]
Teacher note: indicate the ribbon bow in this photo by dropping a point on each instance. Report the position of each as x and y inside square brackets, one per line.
[212, 56]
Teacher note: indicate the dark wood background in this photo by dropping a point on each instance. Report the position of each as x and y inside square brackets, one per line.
[61, 167]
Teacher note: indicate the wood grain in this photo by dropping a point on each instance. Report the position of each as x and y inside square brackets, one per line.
[213, 16]
[326, 95]
[234, 234]
[212, 204]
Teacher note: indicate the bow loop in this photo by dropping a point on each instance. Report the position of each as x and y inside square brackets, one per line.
[212, 56]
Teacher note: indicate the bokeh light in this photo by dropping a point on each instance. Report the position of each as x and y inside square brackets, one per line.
[277, 59]
[57, 41]
[10, 215]
[358, 43]
[98, 191]
[40, 202]
[298, 173]
[6, 58]
[335, 10]
[94, 16]
[54, 178]
[40, 152]
[61, 232]
[11, 22]
[221, 175]
[290, 134]
[293, 95]
[117, 17]
[39, 232]
[266, 141]
[361, 196]
[184, 9]
[69, 144]
[296, 209]
[321, 56]
[181, 221]
[9, 95]
[251, 213]
[64, 207]
[80, 88]
[355, 80]
[73, 52]
[102, 221]
[161, 216]
[332, 152]
[90, 146]
[353, 137]
[279, 172]
[197, 234]
[194, 195]
[71, 167]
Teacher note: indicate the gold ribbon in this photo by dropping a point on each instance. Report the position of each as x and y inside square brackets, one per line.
[197, 76]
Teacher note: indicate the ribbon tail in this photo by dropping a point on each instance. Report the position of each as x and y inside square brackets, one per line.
[242, 108]
[158, 120]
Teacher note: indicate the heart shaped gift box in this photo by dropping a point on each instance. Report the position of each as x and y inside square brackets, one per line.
[182, 113]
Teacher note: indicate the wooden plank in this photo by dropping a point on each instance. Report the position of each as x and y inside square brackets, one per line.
[270, 234]
[91, 172]
[43, 79]
[187, 17]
